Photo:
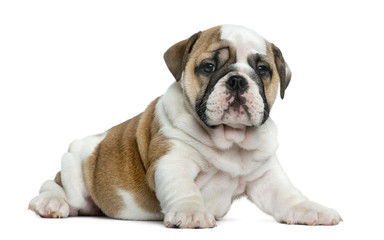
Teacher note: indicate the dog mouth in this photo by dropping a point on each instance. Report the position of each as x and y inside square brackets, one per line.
[235, 109]
[231, 107]
[237, 105]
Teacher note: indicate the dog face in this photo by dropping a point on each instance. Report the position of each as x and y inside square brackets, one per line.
[229, 75]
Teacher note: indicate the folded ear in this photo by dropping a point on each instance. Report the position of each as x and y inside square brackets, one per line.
[176, 57]
[283, 70]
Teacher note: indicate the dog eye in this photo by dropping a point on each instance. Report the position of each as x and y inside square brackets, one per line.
[263, 70]
[208, 67]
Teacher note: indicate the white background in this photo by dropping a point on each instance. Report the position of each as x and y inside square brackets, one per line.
[69, 69]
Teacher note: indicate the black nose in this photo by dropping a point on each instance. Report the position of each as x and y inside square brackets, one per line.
[237, 83]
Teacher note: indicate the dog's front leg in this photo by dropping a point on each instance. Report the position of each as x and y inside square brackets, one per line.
[180, 198]
[273, 193]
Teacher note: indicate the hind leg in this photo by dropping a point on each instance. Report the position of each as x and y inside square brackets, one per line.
[67, 195]
[51, 202]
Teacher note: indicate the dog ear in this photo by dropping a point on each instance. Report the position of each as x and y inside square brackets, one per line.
[283, 70]
[176, 57]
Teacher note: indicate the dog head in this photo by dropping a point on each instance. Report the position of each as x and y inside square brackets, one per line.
[229, 75]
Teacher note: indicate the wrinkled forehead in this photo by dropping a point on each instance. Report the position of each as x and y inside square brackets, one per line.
[245, 41]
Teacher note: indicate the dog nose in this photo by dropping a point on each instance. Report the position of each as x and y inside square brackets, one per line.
[237, 83]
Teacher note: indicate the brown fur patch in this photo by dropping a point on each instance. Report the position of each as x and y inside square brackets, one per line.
[177, 56]
[58, 179]
[282, 69]
[279, 74]
[125, 160]
[271, 87]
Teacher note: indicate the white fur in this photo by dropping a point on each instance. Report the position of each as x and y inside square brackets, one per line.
[180, 198]
[132, 211]
[51, 201]
[275, 195]
[246, 41]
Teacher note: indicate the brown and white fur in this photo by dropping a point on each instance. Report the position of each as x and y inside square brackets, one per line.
[206, 142]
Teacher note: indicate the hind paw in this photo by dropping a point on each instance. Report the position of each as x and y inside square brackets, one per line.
[49, 205]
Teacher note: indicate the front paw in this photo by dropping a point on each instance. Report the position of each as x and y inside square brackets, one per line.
[309, 213]
[189, 220]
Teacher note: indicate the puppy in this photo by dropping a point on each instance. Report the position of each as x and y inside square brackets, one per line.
[206, 142]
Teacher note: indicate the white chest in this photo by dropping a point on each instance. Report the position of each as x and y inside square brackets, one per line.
[218, 190]
[226, 178]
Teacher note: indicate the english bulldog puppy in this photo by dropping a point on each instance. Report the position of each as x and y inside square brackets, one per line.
[206, 142]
